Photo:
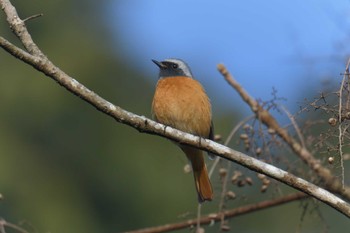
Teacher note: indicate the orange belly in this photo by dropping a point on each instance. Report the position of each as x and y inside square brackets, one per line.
[182, 103]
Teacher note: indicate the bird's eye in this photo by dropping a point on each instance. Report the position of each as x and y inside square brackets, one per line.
[175, 66]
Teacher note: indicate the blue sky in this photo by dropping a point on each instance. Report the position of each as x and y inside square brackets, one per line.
[289, 45]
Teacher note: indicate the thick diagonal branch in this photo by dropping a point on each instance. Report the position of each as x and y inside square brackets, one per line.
[331, 182]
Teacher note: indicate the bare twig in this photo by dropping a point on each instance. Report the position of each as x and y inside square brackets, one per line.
[229, 165]
[39, 61]
[331, 182]
[32, 17]
[199, 214]
[217, 159]
[227, 141]
[340, 111]
[295, 125]
[2, 227]
[211, 218]
[4, 224]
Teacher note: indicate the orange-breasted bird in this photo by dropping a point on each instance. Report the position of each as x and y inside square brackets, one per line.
[181, 102]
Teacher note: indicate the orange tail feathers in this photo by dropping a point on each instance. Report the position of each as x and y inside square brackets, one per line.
[201, 178]
[203, 185]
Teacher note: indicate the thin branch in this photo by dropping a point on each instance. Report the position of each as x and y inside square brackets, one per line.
[227, 141]
[33, 17]
[2, 227]
[295, 125]
[216, 217]
[212, 168]
[198, 223]
[145, 125]
[229, 165]
[4, 224]
[340, 122]
[331, 182]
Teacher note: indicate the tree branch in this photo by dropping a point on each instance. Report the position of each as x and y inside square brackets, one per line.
[39, 61]
[340, 124]
[18, 27]
[4, 224]
[331, 182]
[216, 217]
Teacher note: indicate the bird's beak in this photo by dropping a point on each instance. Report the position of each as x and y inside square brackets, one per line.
[159, 64]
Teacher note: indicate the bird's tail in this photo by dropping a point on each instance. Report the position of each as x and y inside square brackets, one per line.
[201, 178]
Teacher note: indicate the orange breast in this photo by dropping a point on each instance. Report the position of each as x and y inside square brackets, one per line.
[182, 103]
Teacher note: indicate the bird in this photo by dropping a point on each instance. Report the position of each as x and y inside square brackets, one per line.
[181, 102]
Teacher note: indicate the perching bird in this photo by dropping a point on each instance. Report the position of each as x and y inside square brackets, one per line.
[181, 102]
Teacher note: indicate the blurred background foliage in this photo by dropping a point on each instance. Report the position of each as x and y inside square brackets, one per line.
[65, 167]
